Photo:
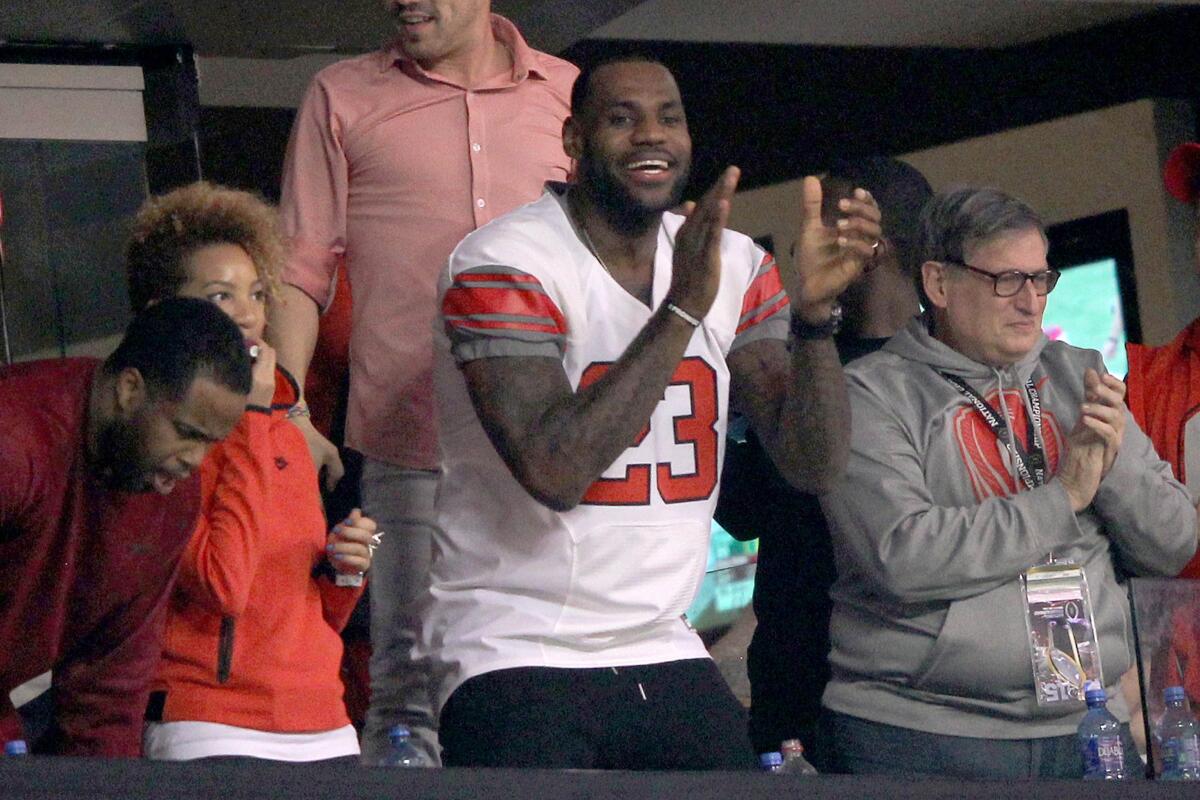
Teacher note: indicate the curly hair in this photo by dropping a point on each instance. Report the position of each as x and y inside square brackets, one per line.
[170, 227]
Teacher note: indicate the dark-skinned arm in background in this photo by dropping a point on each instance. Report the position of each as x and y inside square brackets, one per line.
[796, 401]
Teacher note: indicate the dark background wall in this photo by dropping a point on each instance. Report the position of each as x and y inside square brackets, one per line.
[780, 112]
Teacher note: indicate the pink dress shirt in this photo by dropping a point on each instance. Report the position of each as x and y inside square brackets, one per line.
[393, 166]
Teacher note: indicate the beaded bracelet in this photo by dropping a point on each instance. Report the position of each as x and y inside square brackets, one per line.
[298, 410]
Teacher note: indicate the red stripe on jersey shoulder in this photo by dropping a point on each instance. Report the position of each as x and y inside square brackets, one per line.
[471, 324]
[765, 297]
[764, 287]
[466, 305]
[496, 277]
[764, 313]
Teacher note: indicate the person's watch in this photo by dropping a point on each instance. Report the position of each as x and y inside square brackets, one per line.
[822, 330]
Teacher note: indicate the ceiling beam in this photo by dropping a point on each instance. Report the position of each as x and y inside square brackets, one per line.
[555, 25]
[272, 28]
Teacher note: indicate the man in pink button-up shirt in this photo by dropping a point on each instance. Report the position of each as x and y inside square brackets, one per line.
[395, 156]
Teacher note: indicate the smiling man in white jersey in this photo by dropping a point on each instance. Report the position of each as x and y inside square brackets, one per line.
[592, 345]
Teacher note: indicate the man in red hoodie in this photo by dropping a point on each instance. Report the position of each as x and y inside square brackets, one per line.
[97, 502]
[1164, 382]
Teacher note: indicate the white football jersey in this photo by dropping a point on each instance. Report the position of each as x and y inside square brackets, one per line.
[515, 584]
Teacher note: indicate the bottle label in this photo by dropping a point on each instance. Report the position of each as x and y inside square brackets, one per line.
[1181, 754]
[1104, 757]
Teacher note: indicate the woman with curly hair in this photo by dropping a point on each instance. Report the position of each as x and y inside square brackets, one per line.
[251, 651]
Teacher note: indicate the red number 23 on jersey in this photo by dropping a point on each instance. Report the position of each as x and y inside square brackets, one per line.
[697, 428]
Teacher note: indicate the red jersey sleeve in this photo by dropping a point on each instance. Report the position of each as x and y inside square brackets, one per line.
[765, 306]
[501, 311]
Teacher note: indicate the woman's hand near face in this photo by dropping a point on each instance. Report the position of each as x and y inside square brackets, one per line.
[262, 386]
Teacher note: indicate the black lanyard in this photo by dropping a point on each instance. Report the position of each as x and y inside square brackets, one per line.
[1035, 458]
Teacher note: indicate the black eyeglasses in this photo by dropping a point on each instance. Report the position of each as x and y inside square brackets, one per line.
[1007, 284]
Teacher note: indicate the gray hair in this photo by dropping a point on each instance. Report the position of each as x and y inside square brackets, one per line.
[956, 220]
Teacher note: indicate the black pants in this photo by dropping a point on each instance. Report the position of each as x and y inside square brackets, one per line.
[675, 715]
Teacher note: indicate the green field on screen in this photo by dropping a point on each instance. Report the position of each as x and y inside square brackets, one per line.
[1085, 310]
[728, 584]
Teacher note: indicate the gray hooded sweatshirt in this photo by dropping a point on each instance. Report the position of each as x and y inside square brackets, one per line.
[931, 536]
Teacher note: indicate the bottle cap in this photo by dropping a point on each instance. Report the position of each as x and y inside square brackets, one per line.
[791, 745]
[1092, 690]
[767, 760]
[16, 747]
[399, 732]
[1174, 694]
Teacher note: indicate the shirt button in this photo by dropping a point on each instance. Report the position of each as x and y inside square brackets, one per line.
[481, 202]
[476, 146]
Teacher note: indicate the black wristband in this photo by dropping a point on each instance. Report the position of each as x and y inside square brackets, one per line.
[823, 330]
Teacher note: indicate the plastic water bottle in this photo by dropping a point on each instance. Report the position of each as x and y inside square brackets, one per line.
[794, 762]
[401, 753]
[16, 747]
[1179, 737]
[1100, 739]
[770, 762]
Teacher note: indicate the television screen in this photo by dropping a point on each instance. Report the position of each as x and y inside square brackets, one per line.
[728, 584]
[1085, 310]
[1095, 302]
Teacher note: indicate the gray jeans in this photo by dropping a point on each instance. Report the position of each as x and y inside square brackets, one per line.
[401, 502]
[873, 748]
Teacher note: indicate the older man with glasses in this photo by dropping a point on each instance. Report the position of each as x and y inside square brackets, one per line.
[995, 482]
